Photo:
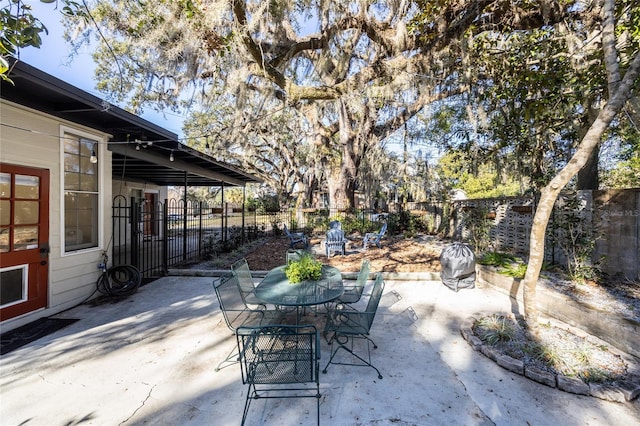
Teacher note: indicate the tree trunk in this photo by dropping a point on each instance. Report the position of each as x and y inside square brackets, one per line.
[588, 175]
[342, 177]
[337, 183]
[550, 192]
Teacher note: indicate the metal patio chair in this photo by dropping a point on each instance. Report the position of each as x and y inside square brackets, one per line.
[236, 313]
[348, 326]
[353, 293]
[280, 362]
[335, 242]
[245, 283]
[293, 255]
[374, 237]
[296, 238]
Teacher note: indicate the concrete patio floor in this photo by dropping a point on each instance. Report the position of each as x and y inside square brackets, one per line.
[150, 359]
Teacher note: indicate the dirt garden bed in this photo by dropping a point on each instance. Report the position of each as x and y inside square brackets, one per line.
[398, 254]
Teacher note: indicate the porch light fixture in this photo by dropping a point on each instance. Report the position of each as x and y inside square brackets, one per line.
[171, 156]
[94, 158]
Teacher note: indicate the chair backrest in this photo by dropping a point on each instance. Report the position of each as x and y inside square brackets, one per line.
[241, 271]
[363, 276]
[286, 231]
[335, 235]
[279, 354]
[293, 255]
[232, 304]
[382, 230]
[374, 299]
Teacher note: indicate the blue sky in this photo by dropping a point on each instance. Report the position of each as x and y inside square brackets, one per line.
[53, 58]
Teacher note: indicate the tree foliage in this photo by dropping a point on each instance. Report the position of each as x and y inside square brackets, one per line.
[479, 180]
[20, 28]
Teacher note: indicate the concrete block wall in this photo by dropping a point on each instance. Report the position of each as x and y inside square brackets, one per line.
[614, 216]
[616, 220]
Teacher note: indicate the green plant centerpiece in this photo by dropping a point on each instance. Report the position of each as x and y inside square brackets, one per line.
[306, 268]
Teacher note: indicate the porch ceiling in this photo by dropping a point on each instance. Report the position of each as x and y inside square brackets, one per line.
[43, 92]
[190, 167]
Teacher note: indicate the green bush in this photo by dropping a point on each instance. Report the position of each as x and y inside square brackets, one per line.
[307, 268]
[495, 258]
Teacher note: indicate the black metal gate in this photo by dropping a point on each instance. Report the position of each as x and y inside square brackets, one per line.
[139, 235]
[154, 236]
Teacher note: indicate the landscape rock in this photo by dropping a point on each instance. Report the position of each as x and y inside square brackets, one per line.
[489, 352]
[541, 376]
[511, 364]
[606, 392]
[630, 389]
[573, 385]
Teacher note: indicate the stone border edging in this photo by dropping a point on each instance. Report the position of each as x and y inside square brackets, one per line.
[624, 391]
[621, 332]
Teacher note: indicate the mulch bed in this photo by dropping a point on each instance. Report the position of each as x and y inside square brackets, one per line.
[397, 254]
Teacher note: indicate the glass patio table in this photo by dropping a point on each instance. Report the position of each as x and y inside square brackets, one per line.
[276, 289]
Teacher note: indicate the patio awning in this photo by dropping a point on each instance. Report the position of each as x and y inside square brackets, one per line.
[43, 92]
[189, 167]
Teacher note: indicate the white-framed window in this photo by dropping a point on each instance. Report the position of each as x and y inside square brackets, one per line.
[81, 190]
[14, 285]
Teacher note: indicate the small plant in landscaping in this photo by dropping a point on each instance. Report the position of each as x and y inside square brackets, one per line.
[476, 223]
[506, 264]
[573, 233]
[352, 223]
[494, 329]
[515, 270]
[307, 268]
[494, 258]
[596, 375]
[545, 354]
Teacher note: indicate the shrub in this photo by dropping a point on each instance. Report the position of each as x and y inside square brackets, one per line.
[307, 268]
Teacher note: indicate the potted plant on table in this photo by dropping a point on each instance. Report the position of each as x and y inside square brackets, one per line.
[306, 268]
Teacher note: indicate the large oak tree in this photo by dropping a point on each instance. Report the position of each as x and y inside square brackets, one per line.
[353, 70]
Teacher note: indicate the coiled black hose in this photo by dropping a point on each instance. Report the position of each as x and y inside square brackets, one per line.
[121, 280]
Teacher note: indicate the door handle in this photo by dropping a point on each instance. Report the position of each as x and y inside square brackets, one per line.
[44, 250]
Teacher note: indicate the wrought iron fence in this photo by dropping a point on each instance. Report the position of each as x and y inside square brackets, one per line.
[157, 236]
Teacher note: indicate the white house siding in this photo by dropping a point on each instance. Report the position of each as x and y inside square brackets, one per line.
[32, 139]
